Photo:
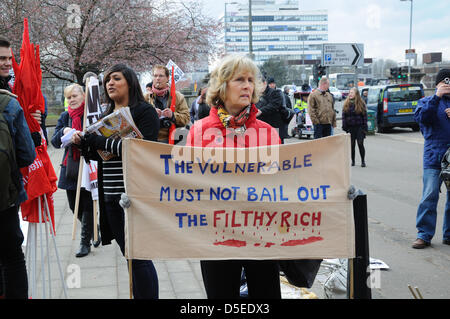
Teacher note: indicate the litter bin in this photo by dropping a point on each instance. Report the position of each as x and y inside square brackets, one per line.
[370, 122]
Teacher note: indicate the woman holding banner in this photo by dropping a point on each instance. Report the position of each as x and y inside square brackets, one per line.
[234, 87]
[122, 89]
[73, 119]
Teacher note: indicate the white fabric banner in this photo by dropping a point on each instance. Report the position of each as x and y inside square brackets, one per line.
[277, 202]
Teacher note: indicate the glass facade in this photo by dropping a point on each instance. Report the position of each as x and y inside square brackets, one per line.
[286, 33]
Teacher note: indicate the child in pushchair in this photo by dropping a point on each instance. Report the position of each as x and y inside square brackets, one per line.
[303, 122]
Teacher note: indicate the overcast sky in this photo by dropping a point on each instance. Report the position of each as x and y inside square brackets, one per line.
[381, 25]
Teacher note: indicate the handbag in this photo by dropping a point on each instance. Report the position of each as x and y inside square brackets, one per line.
[300, 272]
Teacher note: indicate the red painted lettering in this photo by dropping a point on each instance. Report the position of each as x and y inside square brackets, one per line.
[217, 216]
[284, 218]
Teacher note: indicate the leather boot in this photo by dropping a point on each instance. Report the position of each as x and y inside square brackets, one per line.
[99, 239]
[86, 235]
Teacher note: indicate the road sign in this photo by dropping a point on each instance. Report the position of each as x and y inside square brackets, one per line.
[343, 54]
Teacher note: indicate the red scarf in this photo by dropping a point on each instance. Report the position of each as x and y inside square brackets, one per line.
[160, 92]
[77, 123]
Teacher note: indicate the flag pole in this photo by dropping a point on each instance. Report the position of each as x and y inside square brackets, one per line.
[80, 172]
[77, 198]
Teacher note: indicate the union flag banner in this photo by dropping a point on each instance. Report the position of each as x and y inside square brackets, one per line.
[277, 202]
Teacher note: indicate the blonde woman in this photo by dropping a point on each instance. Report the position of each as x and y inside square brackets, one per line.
[73, 118]
[234, 87]
[354, 121]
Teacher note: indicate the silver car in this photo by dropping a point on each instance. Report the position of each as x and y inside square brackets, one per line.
[336, 93]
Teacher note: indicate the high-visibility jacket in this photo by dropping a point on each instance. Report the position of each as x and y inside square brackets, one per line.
[300, 106]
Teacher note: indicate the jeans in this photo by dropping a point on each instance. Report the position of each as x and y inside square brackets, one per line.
[145, 279]
[322, 130]
[427, 210]
[12, 259]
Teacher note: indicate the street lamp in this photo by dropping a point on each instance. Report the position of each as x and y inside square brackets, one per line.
[225, 23]
[250, 31]
[410, 36]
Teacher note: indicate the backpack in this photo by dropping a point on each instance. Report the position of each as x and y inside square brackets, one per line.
[445, 169]
[9, 182]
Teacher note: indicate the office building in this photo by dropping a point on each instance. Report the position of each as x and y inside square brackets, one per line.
[279, 29]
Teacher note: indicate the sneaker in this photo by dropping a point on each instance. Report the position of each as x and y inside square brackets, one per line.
[446, 241]
[420, 244]
[363, 164]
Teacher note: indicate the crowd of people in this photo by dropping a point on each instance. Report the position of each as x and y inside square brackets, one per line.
[238, 97]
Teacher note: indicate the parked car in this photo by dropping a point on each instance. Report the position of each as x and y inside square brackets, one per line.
[394, 105]
[336, 93]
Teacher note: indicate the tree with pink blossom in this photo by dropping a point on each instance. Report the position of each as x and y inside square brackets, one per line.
[90, 35]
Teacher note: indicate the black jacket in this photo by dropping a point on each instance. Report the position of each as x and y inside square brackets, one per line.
[270, 105]
[147, 121]
[63, 122]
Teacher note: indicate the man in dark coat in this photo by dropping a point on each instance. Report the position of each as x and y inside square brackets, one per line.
[269, 107]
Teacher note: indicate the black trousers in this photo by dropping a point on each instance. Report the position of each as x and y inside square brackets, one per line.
[222, 278]
[85, 213]
[145, 278]
[12, 259]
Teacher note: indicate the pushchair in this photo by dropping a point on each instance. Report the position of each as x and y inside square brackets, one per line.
[304, 126]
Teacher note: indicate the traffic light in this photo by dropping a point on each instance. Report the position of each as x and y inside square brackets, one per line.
[394, 73]
[401, 75]
[322, 71]
[315, 73]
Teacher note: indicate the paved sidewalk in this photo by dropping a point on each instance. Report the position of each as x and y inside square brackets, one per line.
[103, 273]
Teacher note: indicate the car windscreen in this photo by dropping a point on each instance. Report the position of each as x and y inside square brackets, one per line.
[345, 81]
[404, 94]
[373, 96]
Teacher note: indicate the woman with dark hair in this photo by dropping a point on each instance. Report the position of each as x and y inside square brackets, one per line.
[354, 121]
[122, 89]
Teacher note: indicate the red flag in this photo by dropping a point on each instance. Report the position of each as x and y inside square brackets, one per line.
[173, 96]
[40, 177]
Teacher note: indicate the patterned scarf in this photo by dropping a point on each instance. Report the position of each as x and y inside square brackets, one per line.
[237, 122]
[160, 92]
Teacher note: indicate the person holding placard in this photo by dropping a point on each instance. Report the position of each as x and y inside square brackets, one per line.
[234, 87]
[72, 120]
[122, 89]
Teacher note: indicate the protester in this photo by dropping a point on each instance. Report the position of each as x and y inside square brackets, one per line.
[320, 109]
[148, 88]
[269, 106]
[160, 98]
[285, 110]
[5, 77]
[203, 107]
[16, 138]
[201, 99]
[68, 177]
[287, 98]
[354, 121]
[122, 89]
[433, 116]
[233, 89]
